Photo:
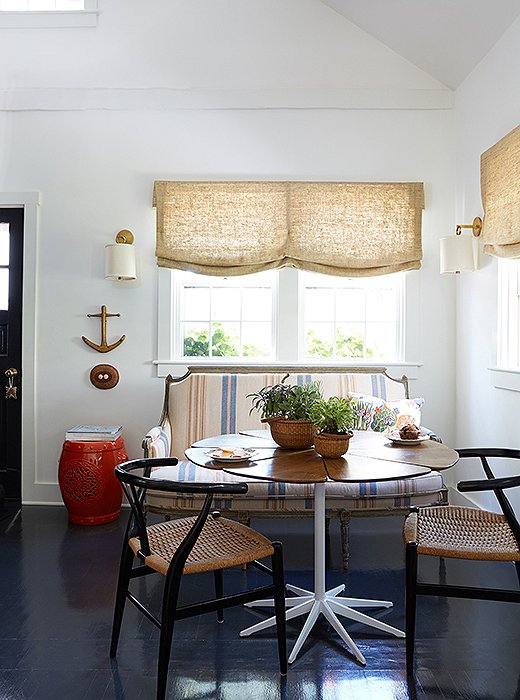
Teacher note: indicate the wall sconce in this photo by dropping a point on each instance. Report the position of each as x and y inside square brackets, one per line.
[120, 257]
[460, 253]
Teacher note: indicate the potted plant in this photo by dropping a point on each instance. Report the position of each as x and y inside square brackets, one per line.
[287, 408]
[333, 419]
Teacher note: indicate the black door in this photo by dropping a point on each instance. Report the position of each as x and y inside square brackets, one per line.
[11, 251]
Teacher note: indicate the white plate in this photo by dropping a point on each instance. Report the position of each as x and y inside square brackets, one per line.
[242, 454]
[398, 440]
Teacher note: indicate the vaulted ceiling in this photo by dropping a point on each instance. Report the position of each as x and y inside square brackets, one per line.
[446, 38]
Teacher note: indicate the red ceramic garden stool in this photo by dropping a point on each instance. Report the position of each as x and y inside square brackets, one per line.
[88, 486]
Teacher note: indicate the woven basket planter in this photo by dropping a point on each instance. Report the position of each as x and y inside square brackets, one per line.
[291, 434]
[331, 445]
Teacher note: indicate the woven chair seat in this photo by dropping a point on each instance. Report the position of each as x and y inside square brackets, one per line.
[461, 533]
[221, 544]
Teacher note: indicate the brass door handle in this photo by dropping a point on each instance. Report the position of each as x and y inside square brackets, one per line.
[11, 391]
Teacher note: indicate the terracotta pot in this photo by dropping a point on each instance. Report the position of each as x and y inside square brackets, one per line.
[331, 445]
[291, 434]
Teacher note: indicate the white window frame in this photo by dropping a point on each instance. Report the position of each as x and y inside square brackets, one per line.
[50, 19]
[288, 345]
[506, 375]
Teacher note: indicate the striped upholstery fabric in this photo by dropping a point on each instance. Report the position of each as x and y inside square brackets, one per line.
[270, 496]
[158, 443]
[212, 404]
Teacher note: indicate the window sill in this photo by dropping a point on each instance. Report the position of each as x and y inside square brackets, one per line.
[505, 378]
[48, 20]
[179, 367]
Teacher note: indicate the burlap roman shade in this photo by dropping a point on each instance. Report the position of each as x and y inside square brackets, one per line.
[339, 228]
[500, 187]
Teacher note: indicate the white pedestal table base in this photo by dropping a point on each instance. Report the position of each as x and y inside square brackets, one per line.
[320, 601]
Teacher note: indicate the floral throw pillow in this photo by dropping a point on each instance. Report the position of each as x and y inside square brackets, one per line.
[373, 413]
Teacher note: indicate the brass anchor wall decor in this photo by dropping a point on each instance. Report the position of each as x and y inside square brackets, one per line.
[103, 347]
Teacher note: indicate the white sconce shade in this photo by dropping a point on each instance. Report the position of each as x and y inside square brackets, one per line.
[457, 254]
[120, 258]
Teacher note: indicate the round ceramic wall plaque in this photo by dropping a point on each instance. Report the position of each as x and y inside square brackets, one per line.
[104, 376]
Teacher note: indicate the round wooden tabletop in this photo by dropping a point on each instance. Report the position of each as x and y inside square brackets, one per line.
[371, 457]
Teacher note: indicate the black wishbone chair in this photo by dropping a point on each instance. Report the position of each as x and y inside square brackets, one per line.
[462, 533]
[206, 542]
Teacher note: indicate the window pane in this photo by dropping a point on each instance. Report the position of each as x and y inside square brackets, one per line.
[69, 4]
[225, 317]
[381, 305]
[195, 339]
[225, 340]
[508, 330]
[380, 339]
[13, 5]
[350, 305]
[4, 289]
[356, 303]
[349, 340]
[225, 303]
[195, 304]
[319, 340]
[256, 339]
[38, 5]
[41, 5]
[256, 304]
[319, 304]
[4, 244]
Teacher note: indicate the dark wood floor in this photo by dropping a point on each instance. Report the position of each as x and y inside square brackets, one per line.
[56, 594]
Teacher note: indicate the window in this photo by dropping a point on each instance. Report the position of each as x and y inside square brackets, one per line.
[41, 5]
[225, 316]
[351, 318]
[48, 13]
[508, 350]
[4, 267]
[286, 315]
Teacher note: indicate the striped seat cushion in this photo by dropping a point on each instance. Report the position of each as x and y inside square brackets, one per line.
[271, 496]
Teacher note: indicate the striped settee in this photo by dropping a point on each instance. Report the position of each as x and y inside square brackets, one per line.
[209, 401]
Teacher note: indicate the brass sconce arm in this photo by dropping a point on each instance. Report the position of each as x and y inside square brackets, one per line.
[476, 227]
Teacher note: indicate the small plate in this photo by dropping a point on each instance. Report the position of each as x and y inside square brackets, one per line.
[398, 440]
[240, 454]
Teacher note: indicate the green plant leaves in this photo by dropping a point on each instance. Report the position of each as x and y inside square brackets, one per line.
[286, 400]
[333, 415]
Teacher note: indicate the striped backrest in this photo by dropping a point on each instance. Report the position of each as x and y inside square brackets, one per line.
[205, 404]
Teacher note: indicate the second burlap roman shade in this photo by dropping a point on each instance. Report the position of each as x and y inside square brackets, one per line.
[500, 188]
[237, 228]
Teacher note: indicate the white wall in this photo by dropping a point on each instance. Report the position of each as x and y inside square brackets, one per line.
[246, 86]
[487, 108]
[211, 44]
